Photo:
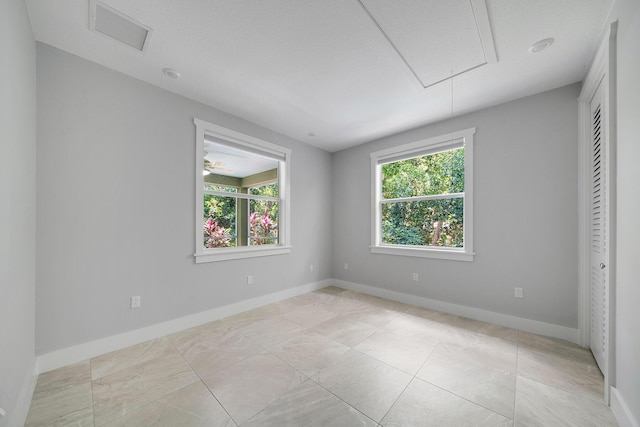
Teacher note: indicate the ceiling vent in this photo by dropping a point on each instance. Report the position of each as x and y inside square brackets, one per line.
[118, 26]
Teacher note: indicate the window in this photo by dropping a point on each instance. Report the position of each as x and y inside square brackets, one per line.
[242, 195]
[422, 198]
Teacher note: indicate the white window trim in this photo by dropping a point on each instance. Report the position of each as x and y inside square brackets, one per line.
[439, 143]
[203, 254]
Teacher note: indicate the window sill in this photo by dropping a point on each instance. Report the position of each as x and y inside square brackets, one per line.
[240, 253]
[421, 252]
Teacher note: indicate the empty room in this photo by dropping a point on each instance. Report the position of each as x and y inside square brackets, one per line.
[319, 213]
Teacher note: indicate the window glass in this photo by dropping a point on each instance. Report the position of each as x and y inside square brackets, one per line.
[242, 195]
[263, 222]
[219, 222]
[424, 223]
[214, 187]
[422, 202]
[440, 173]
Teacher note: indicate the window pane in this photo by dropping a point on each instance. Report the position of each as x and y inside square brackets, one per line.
[219, 222]
[440, 173]
[263, 222]
[270, 190]
[424, 223]
[216, 187]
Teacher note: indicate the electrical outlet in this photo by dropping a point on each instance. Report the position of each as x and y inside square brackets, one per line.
[517, 292]
[310, 267]
[135, 301]
[346, 266]
[250, 280]
[415, 277]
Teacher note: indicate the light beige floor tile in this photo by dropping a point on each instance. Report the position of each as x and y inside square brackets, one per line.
[249, 386]
[378, 302]
[423, 404]
[555, 347]
[345, 330]
[541, 405]
[344, 304]
[212, 349]
[248, 317]
[122, 359]
[365, 383]
[497, 331]
[309, 315]
[269, 331]
[192, 406]
[58, 380]
[309, 352]
[584, 379]
[427, 313]
[317, 299]
[377, 317]
[211, 331]
[463, 323]
[117, 394]
[333, 290]
[51, 417]
[466, 373]
[405, 351]
[475, 348]
[62, 397]
[416, 326]
[309, 405]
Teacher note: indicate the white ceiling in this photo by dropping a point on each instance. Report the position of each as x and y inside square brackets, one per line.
[350, 71]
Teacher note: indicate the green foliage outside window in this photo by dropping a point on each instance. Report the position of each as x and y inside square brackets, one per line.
[430, 222]
[263, 218]
[221, 216]
[219, 221]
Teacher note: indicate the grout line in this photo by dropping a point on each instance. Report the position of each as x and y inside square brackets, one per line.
[202, 381]
[515, 393]
[93, 415]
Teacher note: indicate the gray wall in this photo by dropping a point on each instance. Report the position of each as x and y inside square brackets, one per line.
[627, 379]
[116, 202]
[17, 205]
[525, 179]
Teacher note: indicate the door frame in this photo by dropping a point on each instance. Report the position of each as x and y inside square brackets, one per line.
[602, 71]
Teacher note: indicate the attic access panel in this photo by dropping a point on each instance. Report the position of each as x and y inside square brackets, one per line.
[436, 39]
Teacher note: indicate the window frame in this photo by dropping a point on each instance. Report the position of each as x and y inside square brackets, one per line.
[252, 144]
[462, 138]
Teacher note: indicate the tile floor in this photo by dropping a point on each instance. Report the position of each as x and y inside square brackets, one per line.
[331, 358]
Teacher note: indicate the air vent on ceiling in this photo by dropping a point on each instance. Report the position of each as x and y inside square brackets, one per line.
[118, 26]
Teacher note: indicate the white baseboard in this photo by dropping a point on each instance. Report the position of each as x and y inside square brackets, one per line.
[621, 410]
[18, 415]
[77, 353]
[66, 356]
[527, 325]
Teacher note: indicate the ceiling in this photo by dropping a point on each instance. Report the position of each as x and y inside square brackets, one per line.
[337, 73]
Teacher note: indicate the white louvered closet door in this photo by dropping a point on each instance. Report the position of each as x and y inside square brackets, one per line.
[599, 230]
